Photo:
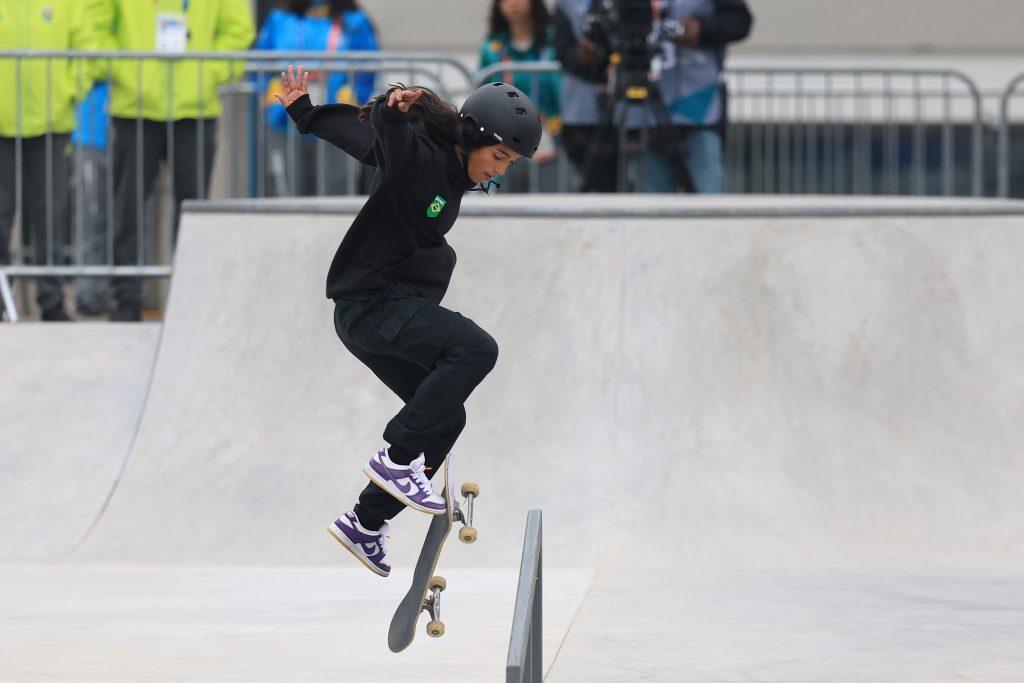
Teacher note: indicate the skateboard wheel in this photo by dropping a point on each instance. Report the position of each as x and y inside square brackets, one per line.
[439, 583]
[435, 629]
[467, 535]
[470, 488]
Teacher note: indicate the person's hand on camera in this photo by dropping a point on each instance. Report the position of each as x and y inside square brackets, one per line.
[691, 34]
[590, 53]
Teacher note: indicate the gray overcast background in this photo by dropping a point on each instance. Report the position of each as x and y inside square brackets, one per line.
[782, 26]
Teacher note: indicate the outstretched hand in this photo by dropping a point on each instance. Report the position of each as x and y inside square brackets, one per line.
[295, 86]
[403, 99]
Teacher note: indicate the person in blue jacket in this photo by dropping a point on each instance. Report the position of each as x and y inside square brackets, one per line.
[90, 213]
[294, 164]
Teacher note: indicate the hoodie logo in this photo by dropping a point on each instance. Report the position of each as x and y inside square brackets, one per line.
[47, 12]
[435, 206]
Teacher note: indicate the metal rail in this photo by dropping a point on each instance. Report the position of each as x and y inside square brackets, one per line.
[812, 130]
[525, 660]
[1004, 134]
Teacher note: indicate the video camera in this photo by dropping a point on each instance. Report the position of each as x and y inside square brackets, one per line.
[627, 29]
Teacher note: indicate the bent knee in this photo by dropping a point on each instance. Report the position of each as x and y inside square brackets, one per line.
[483, 355]
[491, 352]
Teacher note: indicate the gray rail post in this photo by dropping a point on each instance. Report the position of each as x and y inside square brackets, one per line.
[1003, 169]
[7, 297]
[525, 656]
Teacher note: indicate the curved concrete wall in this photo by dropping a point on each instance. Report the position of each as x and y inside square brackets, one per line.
[702, 389]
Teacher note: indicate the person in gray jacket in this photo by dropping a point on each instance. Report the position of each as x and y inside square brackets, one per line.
[687, 68]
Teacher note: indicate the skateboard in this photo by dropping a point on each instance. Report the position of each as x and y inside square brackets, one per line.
[425, 593]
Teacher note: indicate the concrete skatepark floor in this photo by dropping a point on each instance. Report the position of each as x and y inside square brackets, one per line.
[773, 439]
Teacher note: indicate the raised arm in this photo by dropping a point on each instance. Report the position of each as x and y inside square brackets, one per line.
[391, 122]
[337, 124]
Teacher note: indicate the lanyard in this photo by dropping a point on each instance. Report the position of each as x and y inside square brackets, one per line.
[184, 5]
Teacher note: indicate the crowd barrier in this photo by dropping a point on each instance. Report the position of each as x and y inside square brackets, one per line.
[1005, 144]
[841, 131]
[82, 227]
[790, 130]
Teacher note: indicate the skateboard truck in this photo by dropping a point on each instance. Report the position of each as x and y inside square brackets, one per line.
[464, 512]
[425, 593]
[432, 606]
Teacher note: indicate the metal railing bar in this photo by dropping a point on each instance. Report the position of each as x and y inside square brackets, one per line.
[1003, 168]
[524, 664]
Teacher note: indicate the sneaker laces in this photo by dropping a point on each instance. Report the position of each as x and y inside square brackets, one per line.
[383, 540]
[418, 477]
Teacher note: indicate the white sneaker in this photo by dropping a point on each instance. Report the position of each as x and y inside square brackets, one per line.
[407, 483]
[369, 547]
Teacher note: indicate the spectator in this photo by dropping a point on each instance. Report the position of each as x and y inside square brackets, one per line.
[693, 89]
[39, 110]
[90, 210]
[164, 110]
[522, 31]
[320, 26]
[584, 75]
[690, 82]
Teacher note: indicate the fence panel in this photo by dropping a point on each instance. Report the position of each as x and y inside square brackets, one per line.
[101, 201]
[854, 131]
[1007, 160]
[840, 131]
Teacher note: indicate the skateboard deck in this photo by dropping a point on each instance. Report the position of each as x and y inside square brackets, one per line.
[424, 588]
[403, 624]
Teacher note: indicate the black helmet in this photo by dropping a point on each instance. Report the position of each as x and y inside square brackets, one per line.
[502, 112]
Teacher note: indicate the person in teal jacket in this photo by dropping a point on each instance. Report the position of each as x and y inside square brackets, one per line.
[317, 26]
[523, 31]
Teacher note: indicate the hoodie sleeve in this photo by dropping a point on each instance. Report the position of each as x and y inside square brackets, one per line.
[337, 124]
[403, 152]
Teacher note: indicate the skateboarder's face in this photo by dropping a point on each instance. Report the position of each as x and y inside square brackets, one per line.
[488, 162]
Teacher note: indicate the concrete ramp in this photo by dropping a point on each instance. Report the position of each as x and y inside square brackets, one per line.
[70, 399]
[729, 382]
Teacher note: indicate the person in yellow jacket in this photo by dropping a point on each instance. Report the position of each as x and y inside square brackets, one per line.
[164, 109]
[36, 118]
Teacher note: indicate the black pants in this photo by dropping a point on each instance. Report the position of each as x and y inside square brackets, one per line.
[44, 206]
[432, 358]
[139, 147]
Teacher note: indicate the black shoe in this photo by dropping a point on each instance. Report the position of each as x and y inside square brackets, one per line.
[128, 314]
[57, 314]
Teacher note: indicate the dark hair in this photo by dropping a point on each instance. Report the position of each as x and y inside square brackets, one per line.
[539, 14]
[336, 6]
[440, 117]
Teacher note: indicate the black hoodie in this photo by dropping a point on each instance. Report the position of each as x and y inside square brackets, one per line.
[398, 235]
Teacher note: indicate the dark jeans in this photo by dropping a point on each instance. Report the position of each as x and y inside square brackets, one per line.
[596, 159]
[44, 206]
[432, 358]
[139, 147]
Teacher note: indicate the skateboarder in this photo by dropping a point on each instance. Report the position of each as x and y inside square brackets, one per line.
[393, 267]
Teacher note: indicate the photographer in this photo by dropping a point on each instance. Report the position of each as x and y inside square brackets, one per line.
[686, 65]
[584, 67]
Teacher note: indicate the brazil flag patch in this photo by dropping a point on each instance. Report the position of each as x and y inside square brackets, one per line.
[435, 206]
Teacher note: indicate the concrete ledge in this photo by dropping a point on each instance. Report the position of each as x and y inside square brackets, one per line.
[648, 206]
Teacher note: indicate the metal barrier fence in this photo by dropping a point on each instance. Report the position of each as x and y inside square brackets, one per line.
[525, 656]
[840, 131]
[92, 211]
[854, 131]
[1006, 157]
[790, 130]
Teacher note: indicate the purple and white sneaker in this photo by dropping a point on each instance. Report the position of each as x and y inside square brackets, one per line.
[369, 547]
[407, 483]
